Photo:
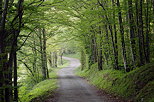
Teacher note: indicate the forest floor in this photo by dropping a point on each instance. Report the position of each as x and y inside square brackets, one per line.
[76, 89]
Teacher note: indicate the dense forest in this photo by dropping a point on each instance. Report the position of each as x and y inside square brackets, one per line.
[115, 35]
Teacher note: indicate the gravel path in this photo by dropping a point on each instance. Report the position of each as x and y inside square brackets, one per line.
[76, 89]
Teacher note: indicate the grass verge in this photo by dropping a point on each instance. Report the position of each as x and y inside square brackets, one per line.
[42, 90]
[136, 85]
[39, 91]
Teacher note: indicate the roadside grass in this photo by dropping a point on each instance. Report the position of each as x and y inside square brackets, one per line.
[137, 85]
[40, 91]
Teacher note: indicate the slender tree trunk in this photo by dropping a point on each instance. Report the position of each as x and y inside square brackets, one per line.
[115, 65]
[56, 58]
[115, 38]
[122, 37]
[100, 57]
[132, 32]
[8, 76]
[83, 59]
[108, 51]
[147, 32]
[1, 66]
[15, 78]
[94, 46]
[61, 58]
[53, 59]
[92, 52]
[116, 48]
[99, 45]
[35, 54]
[44, 53]
[50, 59]
[140, 34]
[2, 69]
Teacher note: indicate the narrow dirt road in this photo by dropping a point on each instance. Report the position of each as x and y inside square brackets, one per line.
[75, 89]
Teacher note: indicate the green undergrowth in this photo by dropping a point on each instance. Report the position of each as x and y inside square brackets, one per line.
[38, 92]
[137, 85]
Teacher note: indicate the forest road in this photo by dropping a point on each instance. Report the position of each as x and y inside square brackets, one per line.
[75, 89]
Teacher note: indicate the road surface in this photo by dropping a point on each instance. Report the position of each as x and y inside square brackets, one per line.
[75, 89]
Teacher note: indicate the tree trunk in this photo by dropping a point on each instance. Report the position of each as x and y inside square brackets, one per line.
[83, 60]
[35, 54]
[15, 78]
[42, 55]
[99, 45]
[147, 32]
[3, 57]
[61, 58]
[132, 32]
[2, 69]
[107, 51]
[92, 52]
[1, 64]
[140, 34]
[115, 65]
[122, 37]
[50, 59]
[100, 57]
[115, 39]
[56, 58]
